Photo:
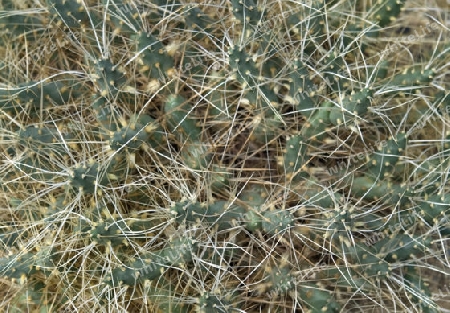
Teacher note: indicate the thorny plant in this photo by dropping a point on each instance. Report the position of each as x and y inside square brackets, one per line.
[166, 156]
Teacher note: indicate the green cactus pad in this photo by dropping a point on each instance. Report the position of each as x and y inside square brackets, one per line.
[277, 221]
[414, 76]
[85, 178]
[433, 208]
[209, 302]
[402, 247]
[70, 13]
[302, 90]
[317, 123]
[152, 265]
[353, 106]
[153, 57]
[334, 73]
[179, 122]
[247, 12]
[34, 94]
[387, 11]
[133, 135]
[218, 214]
[367, 188]
[294, 159]
[124, 17]
[318, 299]
[420, 290]
[254, 195]
[280, 279]
[109, 77]
[196, 19]
[384, 159]
[18, 267]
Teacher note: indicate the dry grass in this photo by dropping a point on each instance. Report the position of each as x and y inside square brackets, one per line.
[138, 195]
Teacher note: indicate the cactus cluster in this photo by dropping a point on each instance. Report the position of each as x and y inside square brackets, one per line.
[176, 156]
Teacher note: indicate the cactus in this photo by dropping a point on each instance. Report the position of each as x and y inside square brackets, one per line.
[213, 303]
[153, 266]
[70, 13]
[420, 289]
[318, 300]
[103, 114]
[414, 76]
[19, 25]
[276, 221]
[178, 109]
[86, 178]
[219, 177]
[334, 73]
[369, 189]
[194, 153]
[109, 231]
[266, 128]
[32, 95]
[219, 110]
[248, 74]
[433, 208]
[280, 279]
[18, 267]
[109, 77]
[316, 196]
[301, 90]
[151, 49]
[443, 100]
[124, 18]
[317, 18]
[383, 161]
[253, 220]
[386, 11]
[196, 19]
[138, 130]
[125, 275]
[402, 247]
[368, 262]
[353, 106]
[243, 106]
[32, 295]
[45, 138]
[317, 123]
[312, 20]
[219, 215]
[294, 160]
[255, 196]
[247, 12]
[382, 14]
[36, 166]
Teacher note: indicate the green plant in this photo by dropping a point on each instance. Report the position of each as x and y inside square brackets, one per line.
[176, 156]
